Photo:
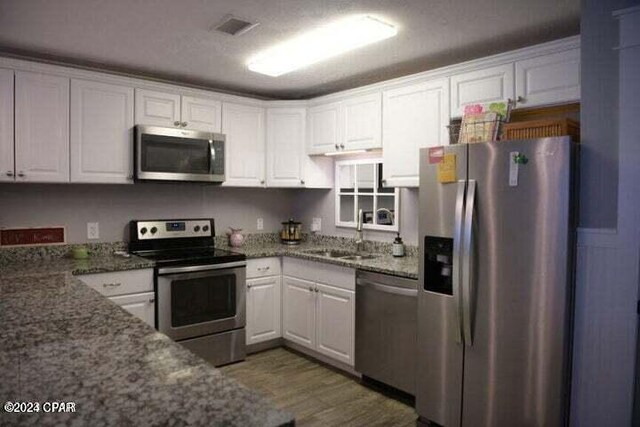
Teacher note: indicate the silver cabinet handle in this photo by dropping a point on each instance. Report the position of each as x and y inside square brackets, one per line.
[342, 146]
[337, 146]
[316, 290]
[310, 288]
[184, 124]
[10, 173]
[262, 181]
[151, 301]
[111, 285]
[302, 181]
[521, 99]
[21, 174]
[176, 123]
[264, 268]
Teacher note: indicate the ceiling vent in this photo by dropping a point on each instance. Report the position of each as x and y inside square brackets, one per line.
[234, 26]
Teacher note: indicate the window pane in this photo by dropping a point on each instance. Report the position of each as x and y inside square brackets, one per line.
[366, 178]
[382, 189]
[347, 208]
[366, 204]
[386, 210]
[346, 178]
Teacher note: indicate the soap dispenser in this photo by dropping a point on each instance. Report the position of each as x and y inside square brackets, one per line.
[398, 247]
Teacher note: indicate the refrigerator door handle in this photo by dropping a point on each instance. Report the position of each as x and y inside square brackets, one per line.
[457, 257]
[467, 264]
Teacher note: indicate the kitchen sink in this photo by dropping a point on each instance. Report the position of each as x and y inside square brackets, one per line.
[346, 255]
[357, 257]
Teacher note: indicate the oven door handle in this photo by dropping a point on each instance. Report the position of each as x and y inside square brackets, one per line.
[195, 268]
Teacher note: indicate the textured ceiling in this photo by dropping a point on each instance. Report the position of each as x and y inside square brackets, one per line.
[170, 39]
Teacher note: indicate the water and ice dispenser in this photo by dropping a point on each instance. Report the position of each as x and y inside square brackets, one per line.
[438, 265]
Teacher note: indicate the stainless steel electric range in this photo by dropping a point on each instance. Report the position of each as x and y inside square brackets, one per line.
[200, 290]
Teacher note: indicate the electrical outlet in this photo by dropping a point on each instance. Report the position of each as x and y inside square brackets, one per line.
[260, 224]
[93, 230]
[316, 224]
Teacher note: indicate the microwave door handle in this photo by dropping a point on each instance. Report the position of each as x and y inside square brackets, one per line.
[212, 156]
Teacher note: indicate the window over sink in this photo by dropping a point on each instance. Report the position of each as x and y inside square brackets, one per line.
[358, 185]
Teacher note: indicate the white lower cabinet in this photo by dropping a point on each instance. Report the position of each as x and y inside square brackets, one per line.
[335, 320]
[263, 309]
[140, 305]
[319, 310]
[299, 311]
[131, 290]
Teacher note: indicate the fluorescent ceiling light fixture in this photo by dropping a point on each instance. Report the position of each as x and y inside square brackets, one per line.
[322, 43]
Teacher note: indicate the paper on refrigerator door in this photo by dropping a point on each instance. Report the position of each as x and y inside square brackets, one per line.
[447, 169]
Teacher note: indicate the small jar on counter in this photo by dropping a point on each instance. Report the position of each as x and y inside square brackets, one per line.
[398, 247]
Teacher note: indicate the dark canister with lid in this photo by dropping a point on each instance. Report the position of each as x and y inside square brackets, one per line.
[291, 233]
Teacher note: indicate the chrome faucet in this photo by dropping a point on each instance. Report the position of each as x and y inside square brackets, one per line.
[359, 239]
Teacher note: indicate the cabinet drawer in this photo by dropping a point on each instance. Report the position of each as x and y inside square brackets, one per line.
[334, 275]
[120, 282]
[262, 267]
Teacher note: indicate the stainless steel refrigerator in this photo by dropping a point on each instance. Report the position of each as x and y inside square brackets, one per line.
[495, 301]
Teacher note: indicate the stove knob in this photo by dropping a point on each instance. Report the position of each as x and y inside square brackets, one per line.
[205, 228]
[143, 230]
[196, 228]
[153, 230]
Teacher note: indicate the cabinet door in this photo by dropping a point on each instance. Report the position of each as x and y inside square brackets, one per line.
[140, 305]
[363, 122]
[157, 108]
[201, 114]
[324, 133]
[41, 127]
[101, 132]
[549, 79]
[7, 170]
[415, 117]
[286, 151]
[263, 309]
[245, 152]
[481, 87]
[298, 311]
[335, 323]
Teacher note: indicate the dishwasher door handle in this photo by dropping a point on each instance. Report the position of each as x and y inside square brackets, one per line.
[387, 289]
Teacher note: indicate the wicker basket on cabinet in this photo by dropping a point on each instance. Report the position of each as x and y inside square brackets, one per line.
[541, 129]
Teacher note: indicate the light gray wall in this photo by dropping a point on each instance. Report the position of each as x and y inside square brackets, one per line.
[321, 203]
[113, 206]
[599, 114]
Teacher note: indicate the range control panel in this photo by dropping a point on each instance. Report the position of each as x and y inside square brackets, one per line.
[170, 229]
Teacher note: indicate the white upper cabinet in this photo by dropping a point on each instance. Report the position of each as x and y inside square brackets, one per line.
[352, 124]
[172, 110]
[245, 146]
[201, 114]
[324, 133]
[101, 132]
[548, 79]
[7, 169]
[157, 108]
[362, 122]
[481, 86]
[286, 153]
[415, 117]
[41, 127]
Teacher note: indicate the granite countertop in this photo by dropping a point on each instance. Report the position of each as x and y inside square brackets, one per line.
[406, 266]
[62, 341]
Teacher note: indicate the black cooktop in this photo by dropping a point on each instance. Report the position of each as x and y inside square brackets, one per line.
[190, 256]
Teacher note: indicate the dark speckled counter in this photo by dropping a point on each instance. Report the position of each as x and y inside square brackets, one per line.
[382, 263]
[62, 341]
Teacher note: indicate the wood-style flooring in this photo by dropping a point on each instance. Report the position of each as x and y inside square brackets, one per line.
[318, 395]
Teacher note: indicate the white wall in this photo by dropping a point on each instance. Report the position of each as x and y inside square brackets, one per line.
[113, 206]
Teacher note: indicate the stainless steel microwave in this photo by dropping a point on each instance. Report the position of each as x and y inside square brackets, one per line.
[169, 154]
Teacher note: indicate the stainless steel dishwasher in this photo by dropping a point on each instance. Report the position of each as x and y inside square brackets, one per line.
[386, 317]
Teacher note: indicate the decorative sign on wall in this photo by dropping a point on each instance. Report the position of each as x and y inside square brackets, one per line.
[32, 236]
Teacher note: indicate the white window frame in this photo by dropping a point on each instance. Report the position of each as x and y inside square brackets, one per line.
[352, 224]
